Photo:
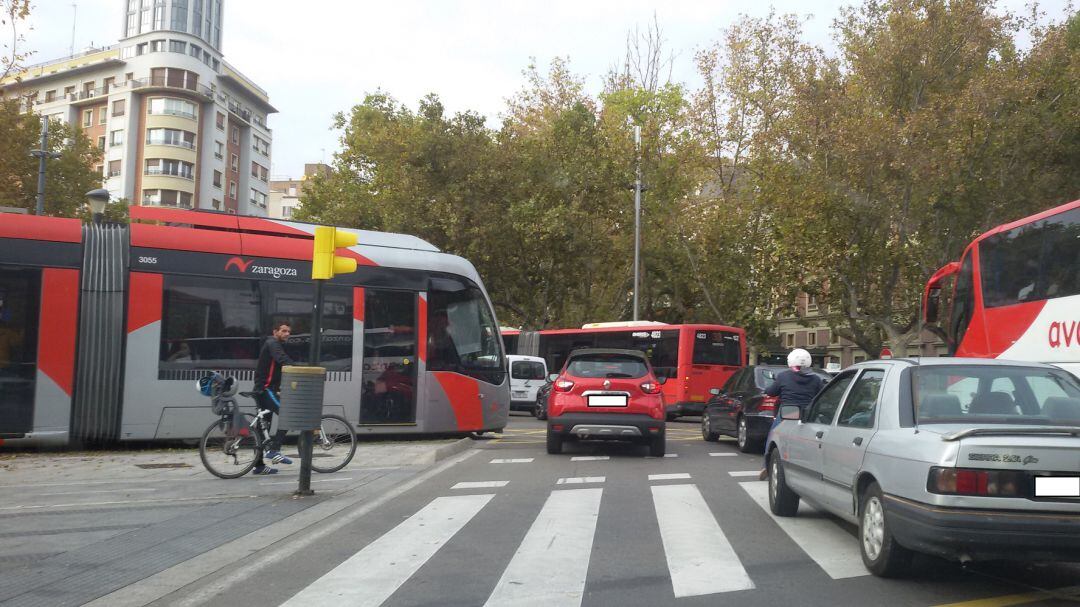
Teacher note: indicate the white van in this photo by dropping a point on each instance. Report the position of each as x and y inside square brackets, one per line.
[527, 374]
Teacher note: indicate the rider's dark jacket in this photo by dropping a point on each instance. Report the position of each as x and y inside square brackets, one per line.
[272, 357]
[795, 388]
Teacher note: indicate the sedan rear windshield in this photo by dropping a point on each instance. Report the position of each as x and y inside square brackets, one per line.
[527, 369]
[607, 366]
[995, 395]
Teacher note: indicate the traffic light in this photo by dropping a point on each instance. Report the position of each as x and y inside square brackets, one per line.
[324, 263]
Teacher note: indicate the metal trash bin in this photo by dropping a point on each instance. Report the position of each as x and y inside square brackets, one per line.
[301, 397]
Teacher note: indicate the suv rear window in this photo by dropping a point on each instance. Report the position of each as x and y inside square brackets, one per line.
[527, 369]
[995, 395]
[607, 366]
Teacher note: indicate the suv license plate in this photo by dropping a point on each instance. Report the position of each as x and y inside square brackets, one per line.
[607, 400]
[1057, 486]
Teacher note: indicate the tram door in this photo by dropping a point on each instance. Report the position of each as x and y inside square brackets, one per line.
[389, 374]
[20, 303]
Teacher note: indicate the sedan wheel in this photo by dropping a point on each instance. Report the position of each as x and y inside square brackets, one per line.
[782, 500]
[880, 552]
[706, 429]
[746, 444]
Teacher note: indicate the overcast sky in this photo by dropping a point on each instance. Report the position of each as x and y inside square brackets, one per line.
[319, 57]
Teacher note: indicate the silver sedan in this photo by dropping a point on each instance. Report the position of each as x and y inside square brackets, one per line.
[966, 459]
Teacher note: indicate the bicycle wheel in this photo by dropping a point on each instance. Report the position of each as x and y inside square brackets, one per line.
[227, 452]
[334, 444]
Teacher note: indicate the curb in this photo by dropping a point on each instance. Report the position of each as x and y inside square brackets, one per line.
[445, 451]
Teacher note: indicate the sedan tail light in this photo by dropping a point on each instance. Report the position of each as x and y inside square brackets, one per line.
[967, 481]
[564, 385]
[769, 403]
[650, 387]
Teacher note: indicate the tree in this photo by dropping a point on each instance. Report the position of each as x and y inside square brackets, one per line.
[12, 14]
[68, 177]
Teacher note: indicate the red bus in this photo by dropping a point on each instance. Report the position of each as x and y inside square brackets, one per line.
[1016, 293]
[694, 358]
[105, 328]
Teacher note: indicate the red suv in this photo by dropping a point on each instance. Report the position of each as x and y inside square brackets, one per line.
[606, 395]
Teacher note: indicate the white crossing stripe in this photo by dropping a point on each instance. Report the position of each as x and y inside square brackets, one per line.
[830, 546]
[668, 477]
[370, 576]
[753, 473]
[550, 565]
[671, 455]
[589, 458]
[581, 480]
[699, 556]
[480, 484]
[723, 454]
[523, 460]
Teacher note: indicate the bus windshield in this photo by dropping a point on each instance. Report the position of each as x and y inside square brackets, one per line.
[716, 348]
[1036, 261]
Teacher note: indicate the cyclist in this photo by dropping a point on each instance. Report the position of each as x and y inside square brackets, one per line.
[795, 386]
[272, 357]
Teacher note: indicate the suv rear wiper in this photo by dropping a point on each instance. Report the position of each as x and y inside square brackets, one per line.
[1069, 430]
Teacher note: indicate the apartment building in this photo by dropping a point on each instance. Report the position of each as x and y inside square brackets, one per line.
[285, 192]
[178, 125]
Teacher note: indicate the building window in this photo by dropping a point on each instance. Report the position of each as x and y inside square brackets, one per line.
[258, 198]
[103, 116]
[260, 145]
[172, 107]
[789, 340]
[128, 77]
[114, 168]
[235, 135]
[110, 83]
[69, 91]
[834, 338]
[259, 172]
[177, 46]
[118, 107]
[234, 163]
[219, 150]
[50, 95]
[194, 50]
[811, 338]
[216, 204]
[860, 359]
[292, 191]
[184, 139]
[116, 138]
[101, 142]
[220, 121]
[167, 198]
[99, 169]
[88, 118]
[232, 190]
[171, 167]
[217, 179]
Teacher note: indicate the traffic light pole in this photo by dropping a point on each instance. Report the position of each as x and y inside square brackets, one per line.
[306, 436]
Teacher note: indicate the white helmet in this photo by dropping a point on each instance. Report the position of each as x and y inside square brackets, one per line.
[799, 358]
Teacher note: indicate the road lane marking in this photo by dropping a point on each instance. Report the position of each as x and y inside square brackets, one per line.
[318, 480]
[669, 477]
[370, 576]
[589, 458]
[550, 565]
[480, 484]
[753, 473]
[700, 558]
[580, 480]
[123, 502]
[671, 455]
[723, 454]
[830, 546]
[99, 491]
[522, 460]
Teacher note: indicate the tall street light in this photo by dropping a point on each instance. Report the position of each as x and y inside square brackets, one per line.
[637, 218]
[42, 155]
[98, 199]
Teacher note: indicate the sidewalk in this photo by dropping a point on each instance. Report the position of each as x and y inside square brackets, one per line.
[127, 528]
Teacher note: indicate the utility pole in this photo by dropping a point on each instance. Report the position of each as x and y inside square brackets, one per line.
[42, 155]
[637, 219]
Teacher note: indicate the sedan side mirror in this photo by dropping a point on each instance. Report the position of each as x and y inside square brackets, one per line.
[553, 377]
[714, 391]
[661, 379]
[790, 412]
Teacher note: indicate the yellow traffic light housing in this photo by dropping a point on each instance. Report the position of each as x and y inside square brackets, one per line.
[324, 263]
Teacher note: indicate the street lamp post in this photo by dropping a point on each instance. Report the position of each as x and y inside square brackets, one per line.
[98, 199]
[42, 155]
[637, 218]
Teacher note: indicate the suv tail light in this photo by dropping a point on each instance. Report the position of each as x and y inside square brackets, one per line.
[650, 387]
[564, 385]
[769, 403]
[966, 481]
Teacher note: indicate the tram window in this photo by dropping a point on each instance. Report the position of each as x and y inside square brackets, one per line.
[462, 334]
[291, 303]
[19, 310]
[210, 323]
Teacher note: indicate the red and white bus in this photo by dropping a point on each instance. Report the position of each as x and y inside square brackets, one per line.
[103, 329]
[694, 358]
[1016, 293]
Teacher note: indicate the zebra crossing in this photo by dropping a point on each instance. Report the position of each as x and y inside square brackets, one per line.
[551, 564]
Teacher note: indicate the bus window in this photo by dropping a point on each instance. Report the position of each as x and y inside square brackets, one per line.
[963, 304]
[1033, 262]
[462, 334]
[20, 294]
[717, 348]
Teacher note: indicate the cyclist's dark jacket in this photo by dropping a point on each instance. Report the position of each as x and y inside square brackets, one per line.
[268, 371]
[795, 388]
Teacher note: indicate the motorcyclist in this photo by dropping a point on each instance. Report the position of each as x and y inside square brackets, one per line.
[795, 386]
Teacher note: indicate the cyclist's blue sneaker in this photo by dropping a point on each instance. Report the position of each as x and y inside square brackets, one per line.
[264, 470]
[276, 457]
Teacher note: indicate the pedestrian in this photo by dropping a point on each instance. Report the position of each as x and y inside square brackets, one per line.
[795, 386]
[272, 357]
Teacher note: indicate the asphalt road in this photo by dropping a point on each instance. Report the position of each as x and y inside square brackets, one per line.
[601, 524]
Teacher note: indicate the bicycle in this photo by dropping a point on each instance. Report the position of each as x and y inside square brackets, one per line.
[231, 445]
